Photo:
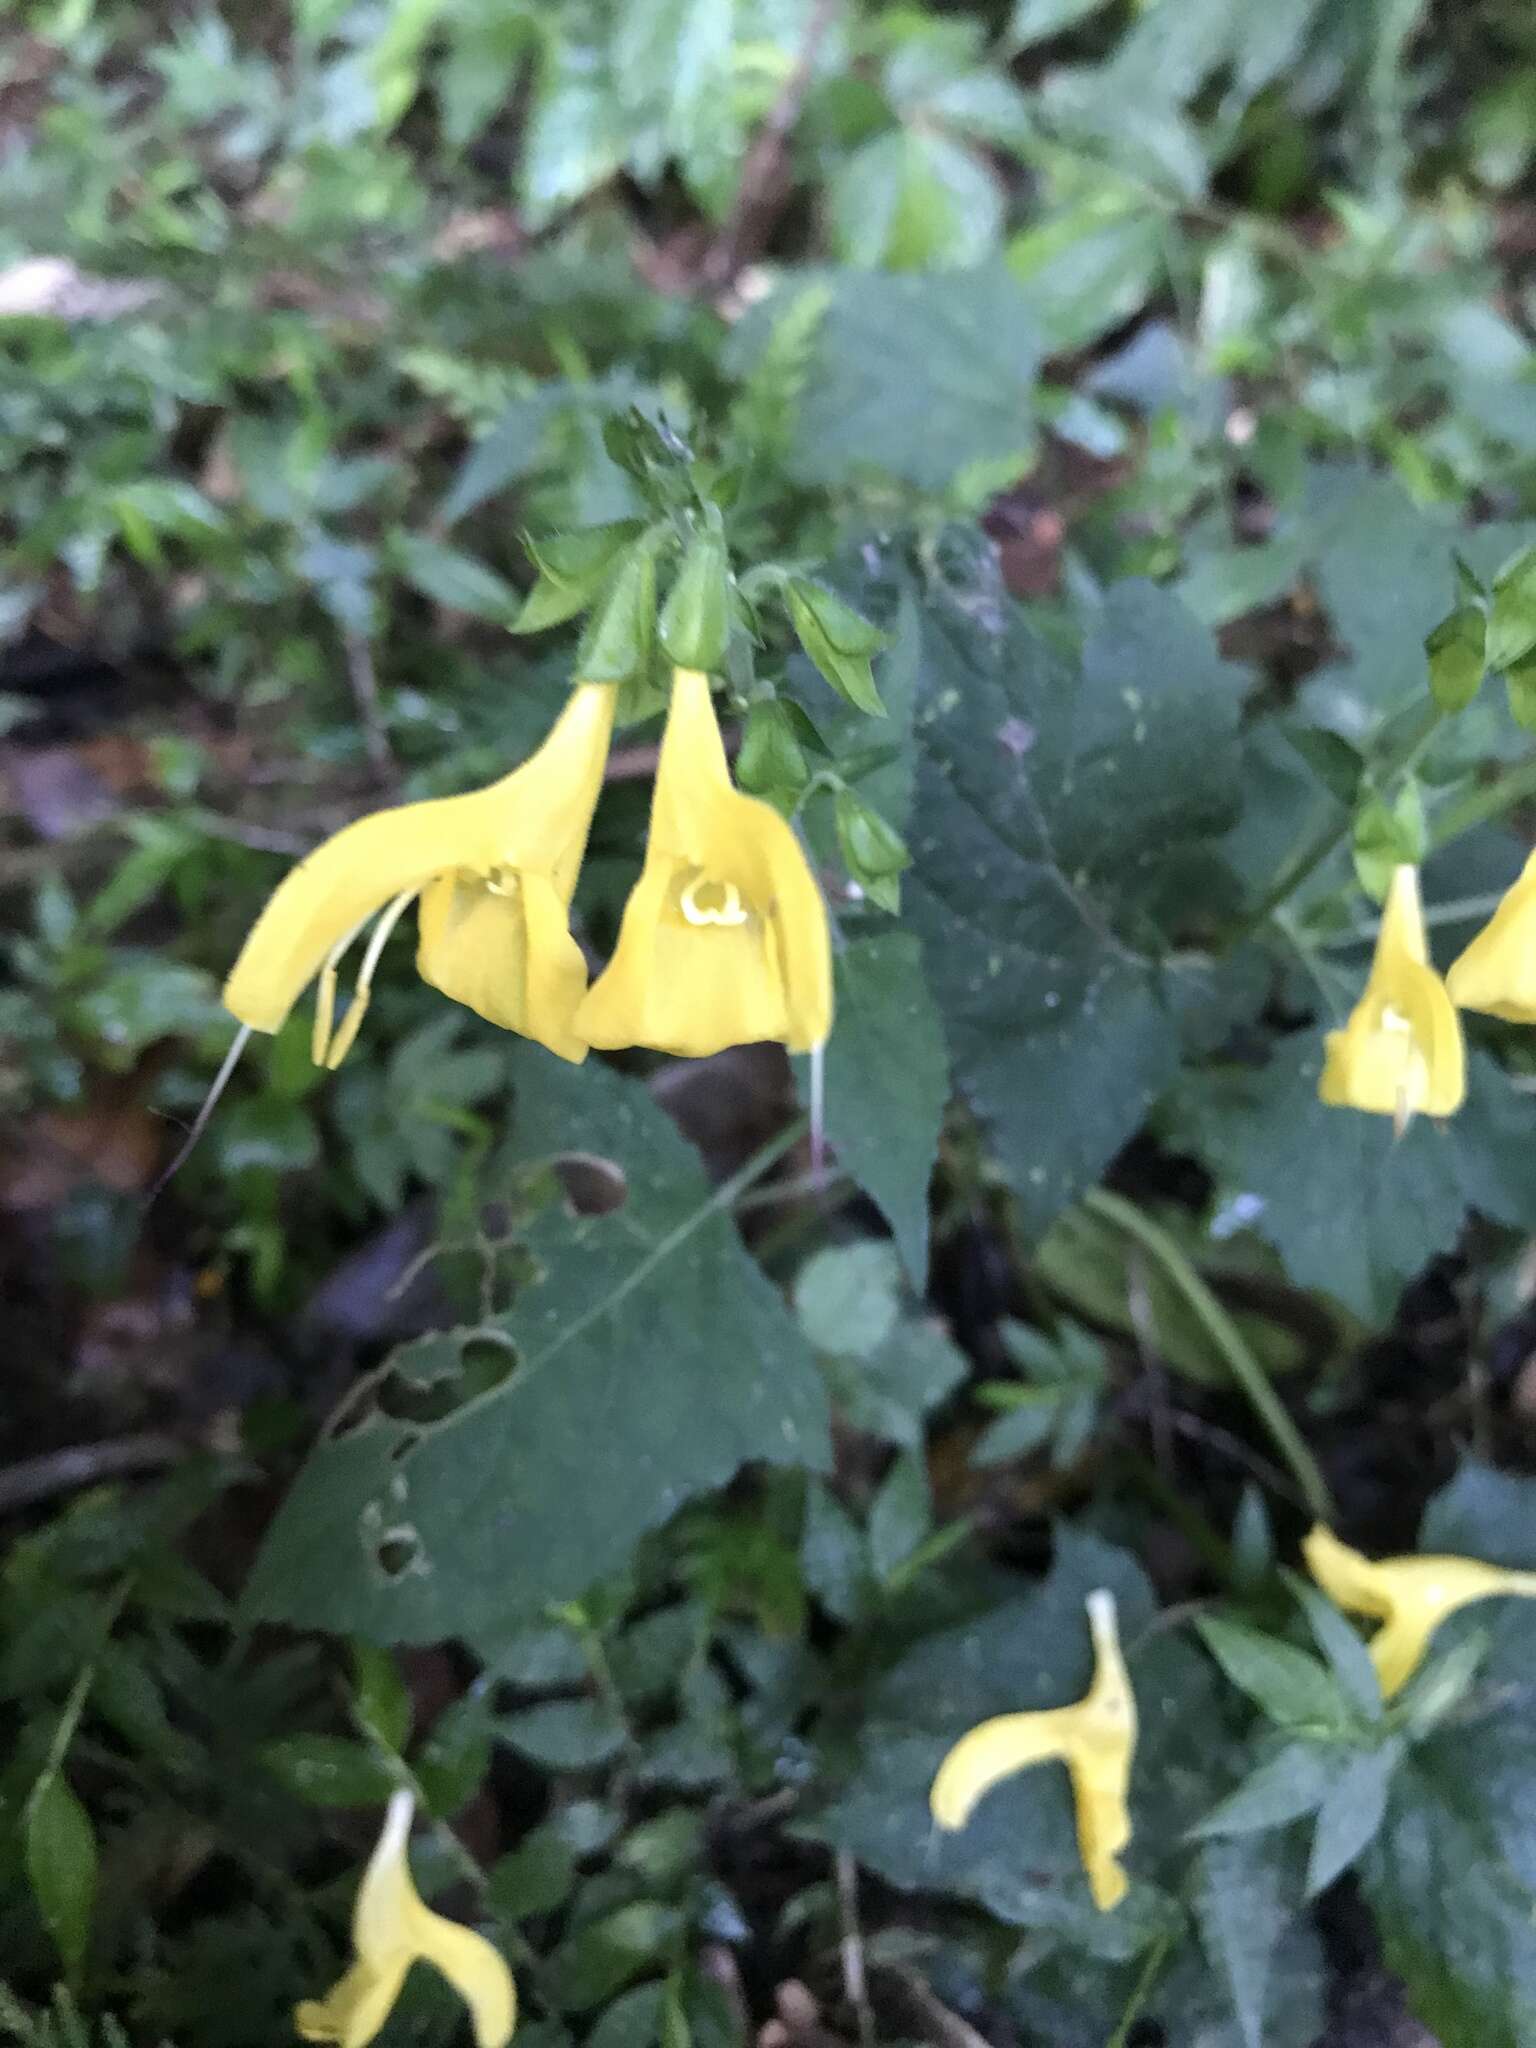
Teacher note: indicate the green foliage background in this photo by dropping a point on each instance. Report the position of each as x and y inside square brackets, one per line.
[1089, 411]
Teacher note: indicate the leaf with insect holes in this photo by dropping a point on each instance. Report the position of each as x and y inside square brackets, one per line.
[651, 1359]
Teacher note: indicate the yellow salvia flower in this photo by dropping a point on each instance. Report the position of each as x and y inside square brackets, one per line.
[724, 939]
[1410, 1596]
[1095, 1739]
[494, 870]
[1497, 972]
[1401, 1053]
[391, 1929]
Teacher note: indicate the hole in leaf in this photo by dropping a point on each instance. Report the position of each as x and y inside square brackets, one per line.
[592, 1185]
[399, 1551]
[427, 1379]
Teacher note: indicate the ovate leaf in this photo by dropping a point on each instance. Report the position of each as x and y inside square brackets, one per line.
[653, 1358]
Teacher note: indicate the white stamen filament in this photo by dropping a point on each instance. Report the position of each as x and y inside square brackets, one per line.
[732, 910]
[357, 1009]
[210, 1102]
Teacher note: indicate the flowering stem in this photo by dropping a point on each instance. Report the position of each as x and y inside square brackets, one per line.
[1228, 1339]
[1333, 835]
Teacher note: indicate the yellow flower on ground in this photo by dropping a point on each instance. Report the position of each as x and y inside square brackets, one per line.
[391, 1929]
[1095, 1739]
[494, 871]
[1410, 1596]
[1497, 972]
[1401, 1053]
[724, 939]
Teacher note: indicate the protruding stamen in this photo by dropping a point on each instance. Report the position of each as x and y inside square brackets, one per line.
[357, 1009]
[818, 1106]
[732, 910]
[210, 1103]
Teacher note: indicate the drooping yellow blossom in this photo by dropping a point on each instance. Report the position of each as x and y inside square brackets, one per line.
[494, 871]
[724, 939]
[1095, 1739]
[1497, 972]
[391, 1929]
[1410, 1596]
[1401, 1052]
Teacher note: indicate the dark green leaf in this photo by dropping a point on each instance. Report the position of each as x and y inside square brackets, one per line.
[1053, 807]
[886, 1084]
[411, 1532]
[914, 376]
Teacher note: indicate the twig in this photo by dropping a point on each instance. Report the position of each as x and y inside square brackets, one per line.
[364, 681]
[851, 1949]
[744, 232]
[66, 1471]
[938, 2024]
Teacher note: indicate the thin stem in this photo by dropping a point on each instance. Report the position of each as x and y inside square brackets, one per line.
[1455, 910]
[1228, 1339]
[1481, 806]
[1333, 835]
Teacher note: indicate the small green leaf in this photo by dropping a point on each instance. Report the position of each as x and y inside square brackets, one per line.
[1512, 620]
[1520, 680]
[565, 1735]
[61, 1867]
[1278, 1792]
[838, 640]
[1292, 1687]
[875, 852]
[453, 579]
[771, 761]
[537, 1877]
[1351, 1813]
[382, 1697]
[452, 1762]
[900, 1516]
[326, 1770]
[1458, 656]
[695, 621]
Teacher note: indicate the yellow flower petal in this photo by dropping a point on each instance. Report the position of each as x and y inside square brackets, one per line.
[1411, 1596]
[392, 1928]
[532, 824]
[1401, 1052]
[991, 1751]
[356, 2007]
[1497, 971]
[1096, 1739]
[506, 954]
[724, 939]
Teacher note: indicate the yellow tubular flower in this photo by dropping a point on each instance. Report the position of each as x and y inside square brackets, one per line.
[495, 872]
[391, 1929]
[724, 939]
[1401, 1052]
[1096, 1740]
[1497, 972]
[1410, 1596]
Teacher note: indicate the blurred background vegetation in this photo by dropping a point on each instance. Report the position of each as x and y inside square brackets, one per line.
[310, 314]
